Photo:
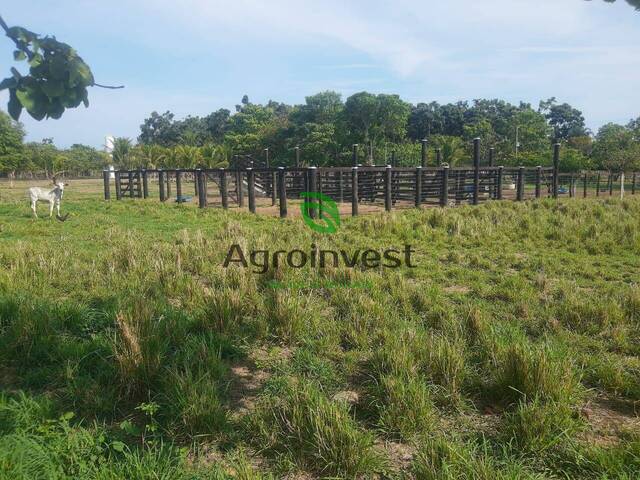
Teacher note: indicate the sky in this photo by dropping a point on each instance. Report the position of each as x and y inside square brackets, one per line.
[194, 56]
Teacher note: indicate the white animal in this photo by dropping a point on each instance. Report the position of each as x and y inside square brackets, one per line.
[53, 196]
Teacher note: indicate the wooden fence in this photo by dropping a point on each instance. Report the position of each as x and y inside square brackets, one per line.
[387, 187]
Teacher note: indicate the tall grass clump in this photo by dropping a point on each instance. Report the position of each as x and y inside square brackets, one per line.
[315, 433]
[404, 406]
[527, 371]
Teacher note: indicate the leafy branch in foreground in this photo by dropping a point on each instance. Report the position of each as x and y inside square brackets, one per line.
[58, 77]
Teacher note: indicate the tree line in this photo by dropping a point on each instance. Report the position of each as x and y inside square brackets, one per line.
[385, 127]
[324, 128]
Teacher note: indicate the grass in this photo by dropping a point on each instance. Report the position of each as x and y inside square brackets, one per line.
[128, 351]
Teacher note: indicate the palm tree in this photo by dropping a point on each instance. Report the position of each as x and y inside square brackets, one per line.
[152, 156]
[121, 151]
[215, 156]
[452, 149]
[187, 157]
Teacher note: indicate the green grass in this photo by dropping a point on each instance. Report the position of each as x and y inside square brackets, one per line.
[128, 351]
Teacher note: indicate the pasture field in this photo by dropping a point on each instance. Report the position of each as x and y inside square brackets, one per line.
[127, 349]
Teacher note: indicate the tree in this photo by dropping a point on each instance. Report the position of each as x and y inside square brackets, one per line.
[372, 119]
[425, 119]
[217, 124]
[566, 121]
[58, 77]
[615, 148]
[533, 131]
[11, 136]
[360, 111]
[121, 153]
[159, 130]
[392, 117]
[83, 160]
[453, 149]
[634, 3]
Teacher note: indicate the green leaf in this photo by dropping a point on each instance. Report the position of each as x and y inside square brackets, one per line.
[8, 83]
[85, 97]
[56, 109]
[19, 55]
[36, 60]
[14, 107]
[118, 446]
[34, 101]
[53, 88]
[71, 98]
[58, 68]
[80, 73]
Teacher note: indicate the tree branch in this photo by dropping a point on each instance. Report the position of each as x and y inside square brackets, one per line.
[4, 26]
[107, 86]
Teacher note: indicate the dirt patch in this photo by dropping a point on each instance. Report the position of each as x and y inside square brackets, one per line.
[610, 419]
[457, 289]
[399, 454]
[246, 382]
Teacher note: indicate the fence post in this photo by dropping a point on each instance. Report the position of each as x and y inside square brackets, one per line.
[621, 185]
[139, 183]
[224, 192]
[313, 187]
[585, 183]
[354, 154]
[571, 191]
[444, 187]
[107, 185]
[266, 157]
[354, 190]
[168, 177]
[202, 194]
[130, 180]
[116, 174]
[145, 183]
[556, 168]
[274, 187]
[387, 188]
[179, 186]
[520, 185]
[610, 184]
[161, 183]
[282, 192]
[239, 188]
[538, 181]
[500, 178]
[438, 156]
[598, 186]
[251, 183]
[423, 157]
[491, 156]
[476, 170]
[394, 162]
[633, 184]
[418, 187]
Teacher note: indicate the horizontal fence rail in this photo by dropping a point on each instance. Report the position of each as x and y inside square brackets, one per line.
[386, 187]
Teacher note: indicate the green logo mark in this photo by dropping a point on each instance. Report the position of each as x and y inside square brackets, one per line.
[328, 215]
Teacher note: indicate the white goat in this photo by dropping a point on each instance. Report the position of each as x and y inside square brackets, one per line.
[52, 196]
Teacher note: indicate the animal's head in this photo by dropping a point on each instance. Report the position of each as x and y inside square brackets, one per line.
[58, 182]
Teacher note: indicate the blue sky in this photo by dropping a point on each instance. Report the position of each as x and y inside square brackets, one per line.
[195, 56]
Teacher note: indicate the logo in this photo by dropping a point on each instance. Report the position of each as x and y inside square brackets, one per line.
[326, 211]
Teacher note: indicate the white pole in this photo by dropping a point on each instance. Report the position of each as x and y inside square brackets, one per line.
[621, 185]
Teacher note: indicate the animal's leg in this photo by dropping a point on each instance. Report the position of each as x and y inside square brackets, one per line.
[58, 207]
[34, 209]
[50, 209]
